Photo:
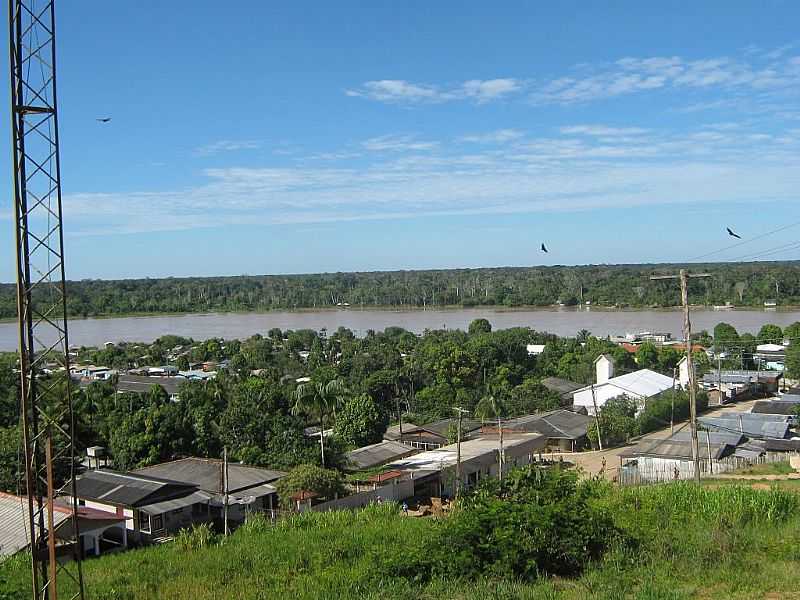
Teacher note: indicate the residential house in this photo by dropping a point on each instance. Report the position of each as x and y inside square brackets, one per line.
[439, 433]
[563, 387]
[639, 386]
[434, 472]
[392, 433]
[376, 455]
[249, 488]
[100, 531]
[742, 385]
[152, 507]
[535, 349]
[771, 357]
[564, 430]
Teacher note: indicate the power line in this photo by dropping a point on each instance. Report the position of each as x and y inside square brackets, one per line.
[745, 242]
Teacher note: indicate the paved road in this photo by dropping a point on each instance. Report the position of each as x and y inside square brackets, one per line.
[592, 462]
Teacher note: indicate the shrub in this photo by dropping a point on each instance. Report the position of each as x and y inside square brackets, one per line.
[537, 521]
[325, 482]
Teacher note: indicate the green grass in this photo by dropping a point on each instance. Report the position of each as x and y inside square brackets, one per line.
[777, 468]
[725, 542]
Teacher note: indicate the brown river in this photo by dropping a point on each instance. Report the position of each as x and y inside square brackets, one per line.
[561, 321]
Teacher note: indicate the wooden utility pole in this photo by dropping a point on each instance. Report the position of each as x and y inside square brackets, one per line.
[460, 412]
[225, 489]
[672, 411]
[683, 276]
[502, 451]
[597, 419]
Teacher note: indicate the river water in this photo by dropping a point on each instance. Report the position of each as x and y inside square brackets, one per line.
[561, 321]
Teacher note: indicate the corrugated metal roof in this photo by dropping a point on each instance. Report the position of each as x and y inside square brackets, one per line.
[643, 383]
[751, 425]
[554, 424]
[14, 517]
[670, 448]
[159, 508]
[206, 474]
[561, 386]
[378, 454]
[393, 432]
[124, 488]
[775, 407]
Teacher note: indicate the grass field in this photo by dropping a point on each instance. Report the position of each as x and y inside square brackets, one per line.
[725, 542]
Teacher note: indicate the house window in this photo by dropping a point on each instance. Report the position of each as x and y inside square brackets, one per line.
[158, 522]
[144, 522]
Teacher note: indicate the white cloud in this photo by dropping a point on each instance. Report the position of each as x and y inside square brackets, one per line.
[490, 89]
[498, 136]
[602, 130]
[755, 71]
[226, 146]
[582, 167]
[397, 143]
[401, 91]
[396, 90]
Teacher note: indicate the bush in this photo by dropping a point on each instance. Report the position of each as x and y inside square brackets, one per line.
[536, 522]
[324, 482]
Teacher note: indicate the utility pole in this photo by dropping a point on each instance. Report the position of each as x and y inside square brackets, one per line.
[502, 450]
[672, 411]
[597, 420]
[225, 489]
[684, 276]
[45, 402]
[460, 412]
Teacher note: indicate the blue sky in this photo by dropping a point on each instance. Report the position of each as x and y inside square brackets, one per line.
[274, 137]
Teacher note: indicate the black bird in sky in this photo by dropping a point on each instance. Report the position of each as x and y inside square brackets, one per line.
[104, 120]
[732, 234]
[544, 248]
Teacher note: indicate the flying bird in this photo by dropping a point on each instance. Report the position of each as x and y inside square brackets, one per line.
[732, 234]
[104, 120]
[544, 248]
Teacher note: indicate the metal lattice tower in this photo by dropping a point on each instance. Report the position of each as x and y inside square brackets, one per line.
[45, 400]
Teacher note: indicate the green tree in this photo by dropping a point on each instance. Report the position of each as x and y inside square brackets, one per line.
[792, 332]
[647, 356]
[793, 360]
[480, 326]
[617, 422]
[316, 400]
[725, 337]
[531, 397]
[770, 334]
[182, 363]
[309, 478]
[360, 422]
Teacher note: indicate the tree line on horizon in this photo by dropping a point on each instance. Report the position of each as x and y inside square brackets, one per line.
[742, 284]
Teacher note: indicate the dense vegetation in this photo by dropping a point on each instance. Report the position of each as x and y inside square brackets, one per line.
[275, 386]
[541, 536]
[612, 285]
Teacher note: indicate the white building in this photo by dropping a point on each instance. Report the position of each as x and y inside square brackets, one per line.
[535, 349]
[638, 386]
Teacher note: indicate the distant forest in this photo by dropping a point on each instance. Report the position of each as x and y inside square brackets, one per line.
[742, 284]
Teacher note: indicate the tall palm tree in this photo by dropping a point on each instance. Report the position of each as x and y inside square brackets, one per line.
[315, 400]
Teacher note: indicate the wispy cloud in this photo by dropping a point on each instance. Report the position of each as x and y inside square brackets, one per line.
[397, 143]
[578, 167]
[757, 70]
[405, 92]
[602, 130]
[226, 146]
[498, 136]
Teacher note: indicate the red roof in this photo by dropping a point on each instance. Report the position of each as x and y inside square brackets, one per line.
[388, 475]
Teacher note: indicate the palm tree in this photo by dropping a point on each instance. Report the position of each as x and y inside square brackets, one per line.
[316, 399]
